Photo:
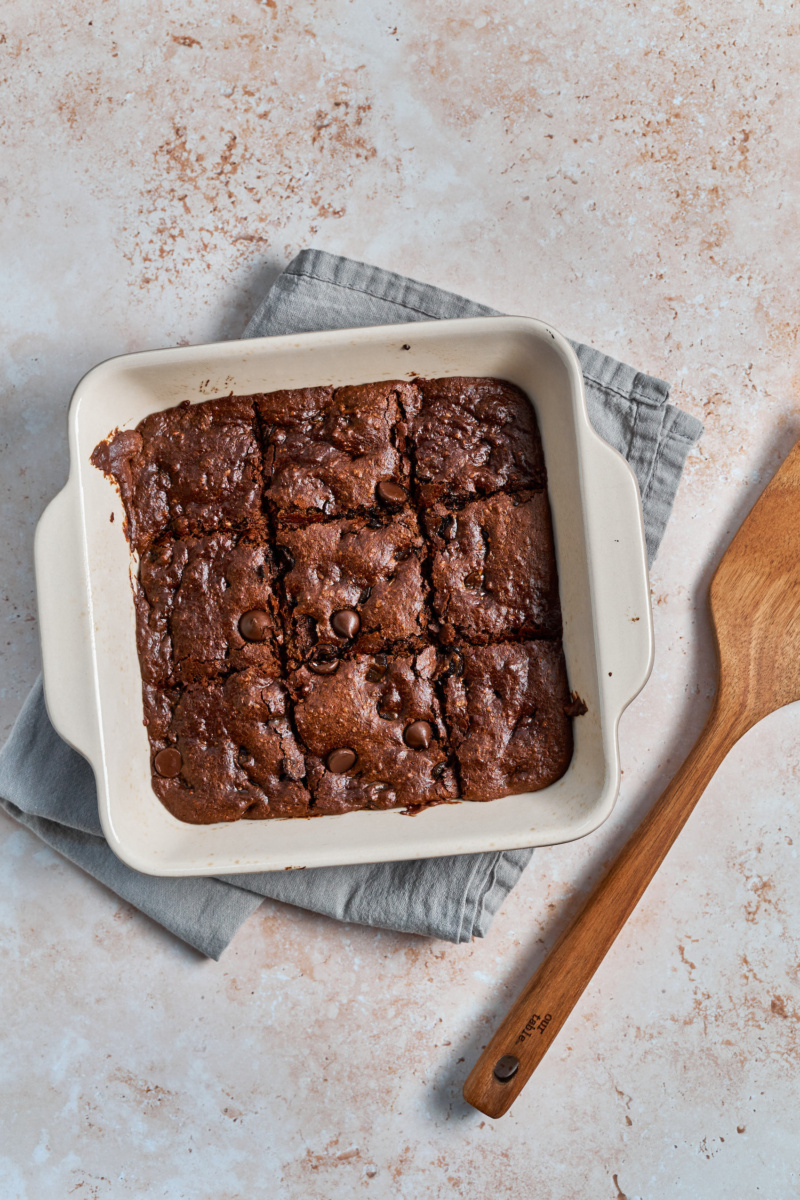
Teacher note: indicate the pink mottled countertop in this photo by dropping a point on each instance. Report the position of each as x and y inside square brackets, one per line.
[628, 172]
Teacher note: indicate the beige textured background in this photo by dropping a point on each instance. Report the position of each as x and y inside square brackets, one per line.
[630, 173]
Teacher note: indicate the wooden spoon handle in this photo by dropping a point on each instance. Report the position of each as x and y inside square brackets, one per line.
[547, 1000]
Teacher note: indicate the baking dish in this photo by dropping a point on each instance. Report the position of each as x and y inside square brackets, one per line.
[84, 570]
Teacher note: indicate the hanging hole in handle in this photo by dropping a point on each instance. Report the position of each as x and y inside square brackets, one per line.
[506, 1068]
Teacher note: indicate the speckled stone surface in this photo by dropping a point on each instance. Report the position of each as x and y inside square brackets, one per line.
[629, 173]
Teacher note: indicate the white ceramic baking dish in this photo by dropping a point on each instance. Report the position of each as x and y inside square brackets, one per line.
[84, 570]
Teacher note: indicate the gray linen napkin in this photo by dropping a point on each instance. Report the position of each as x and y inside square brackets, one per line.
[50, 788]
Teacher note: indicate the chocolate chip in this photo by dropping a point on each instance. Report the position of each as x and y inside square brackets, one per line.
[365, 595]
[390, 714]
[390, 493]
[339, 761]
[346, 623]
[168, 762]
[448, 528]
[284, 557]
[377, 671]
[253, 625]
[324, 661]
[403, 347]
[418, 735]
[374, 523]
[506, 1068]
[474, 579]
[439, 770]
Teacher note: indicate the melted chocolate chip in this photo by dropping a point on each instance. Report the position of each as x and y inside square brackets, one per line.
[324, 661]
[418, 735]
[285, 558]
[448, 528]
[168, 762]
[474, 579]
[390, 493]
[374, 523]
[365, 595]
[254, 625]
[377, 671]
[339, 761]
[346, 623]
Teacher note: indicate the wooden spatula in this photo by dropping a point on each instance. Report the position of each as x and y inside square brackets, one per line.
[755, 610]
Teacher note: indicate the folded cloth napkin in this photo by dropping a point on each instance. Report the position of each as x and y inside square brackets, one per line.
[50, 788]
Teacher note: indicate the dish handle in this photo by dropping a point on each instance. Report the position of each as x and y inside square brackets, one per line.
[65, 625]
[622, 583]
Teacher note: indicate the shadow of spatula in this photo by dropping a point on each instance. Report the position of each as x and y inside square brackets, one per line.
[755, 610]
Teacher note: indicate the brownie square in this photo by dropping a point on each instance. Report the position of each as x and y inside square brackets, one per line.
[191, 469]
[473, 437]
[368, 707]
[238, 754]
[505, 710]
[363, 567]
[193, 595]
[494, 569]
[326, 449]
